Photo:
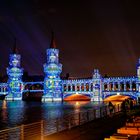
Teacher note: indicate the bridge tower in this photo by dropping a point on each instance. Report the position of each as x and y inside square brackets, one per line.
[138, 76]
[52, 70]
[97, 88]
[14, 72]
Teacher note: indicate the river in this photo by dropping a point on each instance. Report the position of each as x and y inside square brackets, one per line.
[13, 113]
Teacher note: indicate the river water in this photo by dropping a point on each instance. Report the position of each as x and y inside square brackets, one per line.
[13, 113]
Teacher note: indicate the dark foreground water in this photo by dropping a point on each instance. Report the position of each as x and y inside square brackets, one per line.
[13, 113]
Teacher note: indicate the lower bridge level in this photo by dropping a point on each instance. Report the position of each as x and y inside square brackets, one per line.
[95, 89]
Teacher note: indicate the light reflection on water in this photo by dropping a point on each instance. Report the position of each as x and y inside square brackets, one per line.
[14, 113]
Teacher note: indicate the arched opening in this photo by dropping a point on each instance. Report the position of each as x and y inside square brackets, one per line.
[133, 86]
[65, 87]
[105, 86]
[122, 86]
[87, 87]
[110, 86]
[117, 99]
[78, 87]
[116, 86]
[73, 87]
[127, 86]
[82, 87]
[69, 88]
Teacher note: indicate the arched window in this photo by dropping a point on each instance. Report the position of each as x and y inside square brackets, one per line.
[78, 87]
[69, 88]
[73, 87]
[87, 87]
[82, 86]
[133, 86]
[65, 87]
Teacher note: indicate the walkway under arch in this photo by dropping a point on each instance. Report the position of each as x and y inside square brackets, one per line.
[77, 97]
[116, 98]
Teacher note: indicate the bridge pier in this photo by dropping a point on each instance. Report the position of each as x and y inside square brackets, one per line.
[12, 98]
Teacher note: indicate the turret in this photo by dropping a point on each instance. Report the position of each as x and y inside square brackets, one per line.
[97, 86]
[138, 68]
[14, 72]
[52, 70]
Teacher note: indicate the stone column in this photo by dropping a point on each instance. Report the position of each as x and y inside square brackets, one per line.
[89, 87]
[75, 87]
[124, 86]
[130, 86]
[71, 87]
[108, 86]
[3, 89]
[84, 87]
[66, 87]
[113, 88]
[103, 87]
[137, 87]
[119, 86]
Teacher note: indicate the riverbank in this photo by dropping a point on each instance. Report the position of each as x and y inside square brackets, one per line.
[94, 130]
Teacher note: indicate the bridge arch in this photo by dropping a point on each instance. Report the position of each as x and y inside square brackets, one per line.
[76, 97]
[119, 96]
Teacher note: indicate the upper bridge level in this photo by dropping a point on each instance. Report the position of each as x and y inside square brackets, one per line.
[102, 87]
[92, 88]
[120, 84]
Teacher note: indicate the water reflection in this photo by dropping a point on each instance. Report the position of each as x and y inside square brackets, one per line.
[78, 105]
[13, 113]
[4, 104]
[4, 112]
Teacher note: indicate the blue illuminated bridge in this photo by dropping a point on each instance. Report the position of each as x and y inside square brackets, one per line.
[53, 88]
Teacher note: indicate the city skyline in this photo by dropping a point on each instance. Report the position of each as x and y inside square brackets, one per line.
[103, 35]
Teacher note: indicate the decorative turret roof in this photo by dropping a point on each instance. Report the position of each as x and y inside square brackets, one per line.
[52, 44]
[15, 50]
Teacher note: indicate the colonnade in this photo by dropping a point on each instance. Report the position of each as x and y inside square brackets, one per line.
[119, 84]
[106, 84]
[78, 85]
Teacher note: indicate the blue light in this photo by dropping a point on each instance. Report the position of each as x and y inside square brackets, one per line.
[97, 87]
[15, 84]
[52, 81]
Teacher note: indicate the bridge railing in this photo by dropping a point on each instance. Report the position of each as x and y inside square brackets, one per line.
[38, 130]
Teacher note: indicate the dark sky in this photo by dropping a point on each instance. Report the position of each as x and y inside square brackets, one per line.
[103, 34]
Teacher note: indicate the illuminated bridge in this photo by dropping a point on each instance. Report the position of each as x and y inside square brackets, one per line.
[53, 88]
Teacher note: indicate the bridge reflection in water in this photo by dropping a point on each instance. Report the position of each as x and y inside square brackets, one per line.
[81, 112]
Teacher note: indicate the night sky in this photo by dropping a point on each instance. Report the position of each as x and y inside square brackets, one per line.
[103, 34]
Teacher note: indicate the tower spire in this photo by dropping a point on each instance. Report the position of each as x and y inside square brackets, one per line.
[52, 44]
[15, 50]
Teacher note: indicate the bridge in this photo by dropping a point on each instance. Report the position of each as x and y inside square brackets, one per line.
[86, 89]
[96, 88]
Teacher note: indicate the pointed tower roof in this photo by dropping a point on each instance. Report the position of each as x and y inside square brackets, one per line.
[15, 50]
[52, 44]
